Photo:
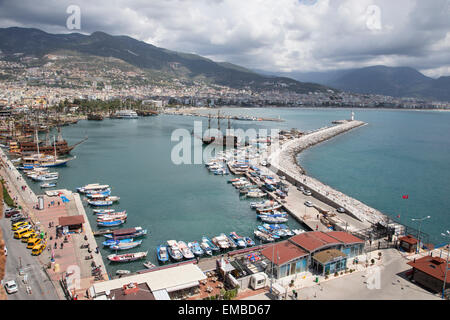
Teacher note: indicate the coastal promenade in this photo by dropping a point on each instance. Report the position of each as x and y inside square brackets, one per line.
[283, 161]
[69, 261]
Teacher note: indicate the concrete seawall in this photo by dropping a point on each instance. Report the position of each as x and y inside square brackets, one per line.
[283, 161]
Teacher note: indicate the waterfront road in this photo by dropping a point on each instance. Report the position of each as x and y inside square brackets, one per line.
[36, 278]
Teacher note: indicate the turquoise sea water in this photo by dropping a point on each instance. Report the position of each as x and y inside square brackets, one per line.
[398, 152]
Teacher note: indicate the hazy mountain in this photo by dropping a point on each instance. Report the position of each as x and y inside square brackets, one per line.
[391, 81]
[145, 56]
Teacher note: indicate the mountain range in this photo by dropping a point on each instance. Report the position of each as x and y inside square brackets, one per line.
[383, 80]
[35, 42]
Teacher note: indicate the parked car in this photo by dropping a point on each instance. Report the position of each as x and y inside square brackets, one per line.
[11, 287]
[341, 210]
[11, 212]
[307, 193]
[301, 188]
[309, 204]
[6, 251]
[18, 218]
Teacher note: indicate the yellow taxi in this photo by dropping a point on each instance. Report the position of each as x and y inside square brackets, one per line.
[37, 250]
[32, 242]
[18, 225]
[19, 233]
[28, 235]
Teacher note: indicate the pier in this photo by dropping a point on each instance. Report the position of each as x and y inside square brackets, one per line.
[68, 266]
[284, 163]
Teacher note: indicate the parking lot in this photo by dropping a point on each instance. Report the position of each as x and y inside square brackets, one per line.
[32, 276]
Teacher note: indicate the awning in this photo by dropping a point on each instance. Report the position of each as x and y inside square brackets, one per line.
[161, 294]
[71, 220]
[183, 286]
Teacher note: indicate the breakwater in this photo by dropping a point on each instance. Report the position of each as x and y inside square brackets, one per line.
[283, 162]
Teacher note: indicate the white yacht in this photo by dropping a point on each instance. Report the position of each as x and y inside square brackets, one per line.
[126, 114]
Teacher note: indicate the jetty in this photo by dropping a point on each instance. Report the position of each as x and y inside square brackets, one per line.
[61, 264]
[283, 161]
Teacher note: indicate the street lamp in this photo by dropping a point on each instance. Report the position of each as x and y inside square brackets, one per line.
[446, 265]
[420, 224]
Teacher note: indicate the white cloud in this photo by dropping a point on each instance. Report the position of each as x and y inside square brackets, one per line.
[282, 35]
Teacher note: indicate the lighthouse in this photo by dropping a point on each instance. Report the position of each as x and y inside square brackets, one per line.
[353, 116]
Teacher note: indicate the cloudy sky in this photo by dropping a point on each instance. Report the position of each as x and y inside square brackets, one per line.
[272, 35]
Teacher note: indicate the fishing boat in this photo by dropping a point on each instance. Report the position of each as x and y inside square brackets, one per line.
[48, 185]
[269, 219]
[100, 203]
[174, 251]
[127, 233]
[263, 236]
[93, 187]
[112, 215]
[112, 242]
[110, 223]
[127, 257]
[122, 272]
[162, 254]
[126, 245]
[149, 265]
[272, 234]
[231, 241]
[256, 194]
[249, 241]
[269, 208]
[210, 243]
[195, 248]
[103, 211]
[112, 199]
[185, 250]
[206, 248]
[99, 195]
[49, 177]
[221, 241]
[261, 204]
[240, 242]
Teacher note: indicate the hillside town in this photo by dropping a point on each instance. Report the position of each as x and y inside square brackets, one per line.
[30, 82]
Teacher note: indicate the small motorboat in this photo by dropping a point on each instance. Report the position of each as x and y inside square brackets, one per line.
[126, 245]
[103, 211]
[249, 241]
[149, 265]
[111, 242]
[100, 203]
[48, 185]
[195, 248]
[127, 257]
[240, 242]
[206, 248]
[174, 251]
[187, 253]
[210, 244]
[110, 223]
[161, 252]
[122, 272]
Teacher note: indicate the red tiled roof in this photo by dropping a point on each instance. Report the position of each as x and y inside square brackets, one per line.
[314, 240]
[282, 252]
[345, 237]
[70, 220]
[409, 239]
[433, 266]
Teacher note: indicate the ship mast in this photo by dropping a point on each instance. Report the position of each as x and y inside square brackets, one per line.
[37, 142]
[54, 145]
[218, 120]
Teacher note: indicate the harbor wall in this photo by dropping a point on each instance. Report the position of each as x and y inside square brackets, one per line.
[283, 161]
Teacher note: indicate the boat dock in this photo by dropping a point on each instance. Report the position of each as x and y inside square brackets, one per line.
[69, 261]
[283, 162]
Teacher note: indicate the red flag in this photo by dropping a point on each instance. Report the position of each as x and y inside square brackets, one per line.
[398, 216]
[405, 196]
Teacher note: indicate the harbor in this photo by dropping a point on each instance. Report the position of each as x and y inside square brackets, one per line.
[228, 214]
